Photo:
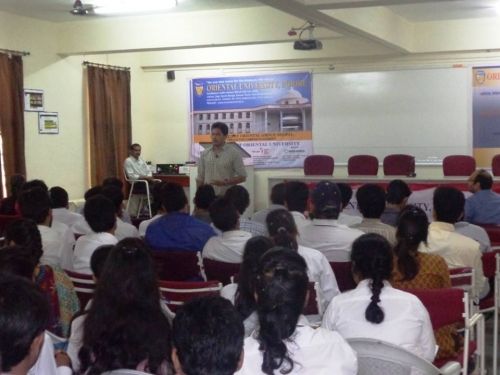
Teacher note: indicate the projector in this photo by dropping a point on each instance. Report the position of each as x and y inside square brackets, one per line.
[307, 44]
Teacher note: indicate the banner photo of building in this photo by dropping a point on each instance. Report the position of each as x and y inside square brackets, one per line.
[269, 116]
[486, 114]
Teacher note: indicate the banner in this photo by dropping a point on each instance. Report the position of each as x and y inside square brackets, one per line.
[269, 116]
[486, 114]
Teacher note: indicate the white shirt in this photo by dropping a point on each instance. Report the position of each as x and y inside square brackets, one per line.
[135, 168]
[475, 232]
[57, 247]
[143, 226]
[124, 230]
[260, 216]
[227, 247]
[46, 363]
[68, 243]
[81, 227]
[319, 270]
[85, 247]
[313, 351]
[331, 238]
[252, 321]
[65, 216]
[300, 220]
[346, 219]
[406, 322]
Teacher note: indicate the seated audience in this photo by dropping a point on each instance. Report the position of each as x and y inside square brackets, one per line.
[475, 232]
[115, 181]
[457, 250]
[277, 199]
[82, 227]
[57, 238]
[377, 310]
[228, 246]
[415, 270]
[283, 232]
[205, 195]
[345, 218]
[324, 233]
[176, 230]
[296, 200]
[59, 203]
[242, 294]
[123, 229]
[397, 194]
[52, 280]
[240, 198]
[371, 204]
[284, 342]
[8, 205]
[125, 326]
[207, 337]
[100, 214]
[25, 348]
[156, 208]
[483, 207]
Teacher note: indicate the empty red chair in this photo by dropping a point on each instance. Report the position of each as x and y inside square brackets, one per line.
[458, 165]
[318, 165]
[399, 165]
[222, 271]
[495, 165]
[362, 165]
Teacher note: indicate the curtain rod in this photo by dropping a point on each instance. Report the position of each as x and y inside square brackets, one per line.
[12, 52]
[88, 63]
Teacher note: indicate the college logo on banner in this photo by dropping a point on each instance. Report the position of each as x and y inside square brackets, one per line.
[199, 89]
[480, 76]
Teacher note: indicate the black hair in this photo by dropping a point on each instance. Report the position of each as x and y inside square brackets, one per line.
[296, 196]
[115, 195]
[31, 184]
[244, 300]
[156, 190]
[98, 259]
[239, 196]
[448, 204]
[16, 184]
[221, 126]
[484, 178]
[412, 229]
[134, 145]
[173, 197]
[125, 324]
[278, 194]
[282, 286]
[205, 195]
[223, 214]
[345, 193]
[208, 335]
[25, 233]
[34, 204]
[17, 260]
[95, 190]
[282, 229]
[58, 197]
[114, 181]
[371, 200]
[99, 213]
[24, 315]
[397, 191]
[371, 258]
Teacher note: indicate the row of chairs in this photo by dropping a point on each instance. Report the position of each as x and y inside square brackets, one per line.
[393, 165]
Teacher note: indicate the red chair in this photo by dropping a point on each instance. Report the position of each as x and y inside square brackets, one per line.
[84, 286]
[178, 265]
[493, 231]
[362, 165]
[6, 220]
[495, 165]
[458, 165]
[313, 304]
[222, 271]
[343, 274]
[319, 165]
[399, 165]
[176, 293]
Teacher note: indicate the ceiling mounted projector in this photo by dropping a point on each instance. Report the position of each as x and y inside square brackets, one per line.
[307, 44]
[79, 9]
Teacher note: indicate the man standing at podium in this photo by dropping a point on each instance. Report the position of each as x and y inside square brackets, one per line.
[220, 165]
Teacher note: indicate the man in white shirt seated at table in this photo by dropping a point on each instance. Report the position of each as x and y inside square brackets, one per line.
[325, 233]
[229, 245]
[59, 203]
[135, 167]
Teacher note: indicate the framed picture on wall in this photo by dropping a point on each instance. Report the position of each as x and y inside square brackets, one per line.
[48, 123]
[33, 100]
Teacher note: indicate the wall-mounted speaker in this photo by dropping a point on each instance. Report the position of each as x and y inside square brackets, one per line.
[170, 75]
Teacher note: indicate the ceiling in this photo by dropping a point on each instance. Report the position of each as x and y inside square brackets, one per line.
[412, 10]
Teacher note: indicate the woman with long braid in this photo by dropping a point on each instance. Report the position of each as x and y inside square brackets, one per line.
[377, 310]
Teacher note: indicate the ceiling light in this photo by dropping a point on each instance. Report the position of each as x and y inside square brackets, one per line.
[108, 7]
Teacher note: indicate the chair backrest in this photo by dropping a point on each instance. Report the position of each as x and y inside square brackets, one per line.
[176, 293]
[222, 271]
[377, 357]
[399, 165]
[462, 277]
[489, 263]
[84, 286]
[178, 265]
[313, 304]
[493, 231]
[343, 274]
[458, 165]
[362, 165]
[319, 165]
[6, 220]
[495, 165]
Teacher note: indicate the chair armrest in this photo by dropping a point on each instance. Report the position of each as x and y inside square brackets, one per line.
[451, 368]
